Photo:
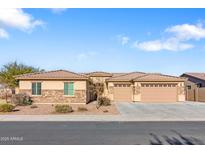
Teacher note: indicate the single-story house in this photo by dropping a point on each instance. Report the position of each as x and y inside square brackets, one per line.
[195, 86]
[63, 86]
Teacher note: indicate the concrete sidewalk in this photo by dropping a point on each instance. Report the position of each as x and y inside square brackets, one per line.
[93, 118]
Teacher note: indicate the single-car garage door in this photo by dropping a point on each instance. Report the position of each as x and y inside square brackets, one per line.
[159, 92]
[122, 93]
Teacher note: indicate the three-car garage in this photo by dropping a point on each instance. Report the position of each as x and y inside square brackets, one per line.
[147, 88]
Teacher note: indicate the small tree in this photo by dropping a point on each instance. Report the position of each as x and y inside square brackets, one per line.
[96, 89]
[10, 70]
[99, 89]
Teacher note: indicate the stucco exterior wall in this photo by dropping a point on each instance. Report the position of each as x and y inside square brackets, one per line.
[110, 91]
[181, 92]
[53, 85]
[99, 79]
[201, 94]
[137, 94]
[53, 91]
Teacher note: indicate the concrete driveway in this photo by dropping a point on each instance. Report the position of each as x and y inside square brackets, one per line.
[159, 111]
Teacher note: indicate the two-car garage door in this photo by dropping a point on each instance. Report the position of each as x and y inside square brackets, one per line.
[155, 92]
[158, 93]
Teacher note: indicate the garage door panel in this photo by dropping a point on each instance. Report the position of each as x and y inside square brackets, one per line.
[158, 94]
[123, 94]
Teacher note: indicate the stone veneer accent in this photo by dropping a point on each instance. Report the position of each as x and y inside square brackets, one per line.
[57, 96]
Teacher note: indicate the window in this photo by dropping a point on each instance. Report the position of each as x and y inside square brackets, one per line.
[189, 87]
[199, 85]
[69, 88]
[36, 88]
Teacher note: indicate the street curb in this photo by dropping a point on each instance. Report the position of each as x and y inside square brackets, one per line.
[94, 118]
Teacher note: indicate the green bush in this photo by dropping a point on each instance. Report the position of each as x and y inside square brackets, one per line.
[21, 99]
[103, 101]
[63, 109]
[6, 107]
[33, 106]
[82, 109]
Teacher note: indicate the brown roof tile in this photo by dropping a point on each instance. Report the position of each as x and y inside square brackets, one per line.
[98, 74]
[58, 74]
[158, 77]
[196, 75]
[117, 74]
[126, 77]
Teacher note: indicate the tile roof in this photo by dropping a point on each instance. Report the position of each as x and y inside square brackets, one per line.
[118, 74]
[126, 77]
[98, 74]
[58, 74]
[140, 76]
[196, 75]
[158, 77]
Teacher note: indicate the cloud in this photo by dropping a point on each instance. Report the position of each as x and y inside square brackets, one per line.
[177, 40]
[158, 45]
[3, 34]
[123, 39]
[58, 10]
[187, 31]
[17, 19]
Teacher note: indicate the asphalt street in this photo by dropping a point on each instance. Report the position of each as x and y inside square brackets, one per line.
[102, 133]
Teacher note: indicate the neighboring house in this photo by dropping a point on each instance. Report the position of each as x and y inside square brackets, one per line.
[68, 87]
[195, 86]
[4, 91]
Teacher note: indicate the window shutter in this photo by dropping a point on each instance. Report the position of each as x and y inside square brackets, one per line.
[71, 88]
[33, 88]
[38, 88]
[65, 88]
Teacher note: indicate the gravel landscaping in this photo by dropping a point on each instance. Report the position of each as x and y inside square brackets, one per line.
[48, 109]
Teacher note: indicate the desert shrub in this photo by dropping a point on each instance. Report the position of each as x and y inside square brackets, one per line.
[103, 101]
[21, 99]
[6, 107]
[82, 109]
[33, 106]
[63, 109]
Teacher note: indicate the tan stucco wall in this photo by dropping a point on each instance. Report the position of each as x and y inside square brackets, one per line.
[99, 79]
[110, 91]
[53, 85]
[137, 95]
[201, 94]
[182, 95]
